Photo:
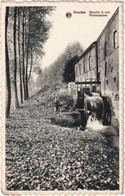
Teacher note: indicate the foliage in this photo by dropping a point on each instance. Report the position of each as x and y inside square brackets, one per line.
[55, 74]
[69, 71]
[27, 32]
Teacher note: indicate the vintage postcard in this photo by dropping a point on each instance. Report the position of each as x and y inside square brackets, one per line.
[62, 97]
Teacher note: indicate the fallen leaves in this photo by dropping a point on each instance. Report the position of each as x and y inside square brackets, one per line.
[43, 156]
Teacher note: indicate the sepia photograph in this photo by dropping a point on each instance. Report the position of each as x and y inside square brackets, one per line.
[62, 97]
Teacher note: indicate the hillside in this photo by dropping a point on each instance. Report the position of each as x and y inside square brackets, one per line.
[44, 155]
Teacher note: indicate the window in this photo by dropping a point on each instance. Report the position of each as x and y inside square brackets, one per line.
[84, 69]
[79, 69]
[99, 75]
[105, 49]
[105, 68]
[115, 38]
[76, 70]
[107, 81]
[89, 62]
[114, 79]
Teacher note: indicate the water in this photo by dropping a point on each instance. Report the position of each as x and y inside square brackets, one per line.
[94, 124]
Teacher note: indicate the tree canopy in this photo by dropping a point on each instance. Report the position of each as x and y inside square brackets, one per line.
[62, 69]
[69, 71]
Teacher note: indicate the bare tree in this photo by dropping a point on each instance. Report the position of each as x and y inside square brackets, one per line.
[19, 54]
[15, 58]
[27, 29]
[7, 66]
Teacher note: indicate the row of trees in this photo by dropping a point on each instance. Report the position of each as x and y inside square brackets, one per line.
[62, 70]
[26, 30]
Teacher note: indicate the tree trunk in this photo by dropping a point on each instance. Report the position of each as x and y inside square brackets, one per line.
[15, 59]
[23, 56]
[20, 69]
[31, 65]
[27, 91]
[27, 56]
[7, 67]
[28, 76]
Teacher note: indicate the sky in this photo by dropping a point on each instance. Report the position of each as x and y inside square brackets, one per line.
[80, 27]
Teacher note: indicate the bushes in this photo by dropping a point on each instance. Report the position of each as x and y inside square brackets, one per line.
[66, 119]
[66, 102]
[65, 116]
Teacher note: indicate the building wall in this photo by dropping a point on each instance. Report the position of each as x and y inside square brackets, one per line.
[109, 62]
[85, 69]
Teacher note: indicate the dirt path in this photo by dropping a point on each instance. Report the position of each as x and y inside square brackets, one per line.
[43, 156]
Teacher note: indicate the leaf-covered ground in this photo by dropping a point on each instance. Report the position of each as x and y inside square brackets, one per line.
[44, 156]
